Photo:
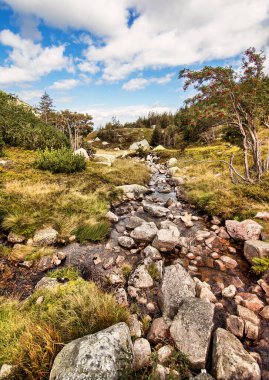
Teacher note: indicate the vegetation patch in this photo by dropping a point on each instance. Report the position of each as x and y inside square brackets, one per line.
[60, 161]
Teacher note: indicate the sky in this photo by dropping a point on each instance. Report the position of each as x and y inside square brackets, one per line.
[121, 57]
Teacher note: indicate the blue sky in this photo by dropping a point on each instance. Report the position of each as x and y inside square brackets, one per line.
[120, 57]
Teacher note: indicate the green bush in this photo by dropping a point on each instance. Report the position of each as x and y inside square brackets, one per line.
[60, 161]
[260, 264]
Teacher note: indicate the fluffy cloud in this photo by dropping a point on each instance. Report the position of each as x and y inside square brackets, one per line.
[140, 83]
[29, 61]
[65, 84]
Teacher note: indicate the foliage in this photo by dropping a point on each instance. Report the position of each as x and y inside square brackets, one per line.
[45, 107]
[153, 271]
[60, 161]
[260, 265]
[156, 137]
[2, 144]
[19, 126]
[93, 232]
[31, 335]
[66, 273]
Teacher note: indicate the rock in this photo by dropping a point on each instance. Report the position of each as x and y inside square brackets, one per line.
[159, 147]
[45, 263]
[39, 300]
[167, 237]
[112, 217]
[172, 162]
[126, 242]
[104, 159]
[262, 215]
[6, 371]
[230, 360]
[145, 233]
[100, 356]
[246, 230]
[15, 238]
[45, 236]
[172, 171]
[141, 278]
[121, 297]
[235, 325]
[265, 313]
[251, 330]
[255, 248]
[134, 188]
[206, 293]
[155, 210]
[152, 253]
[229, 292]
[187, 219]
[203, 376]
[47, 283]
[191, 330]
[134, 326]
[115, 277]
[247, 315]
[164, 353]
[176, 285]
[161, 372]
[178, 180]
[142, 353]
[82, 152]
[229, 262]
[133, 222]
[251, 301]
[159, 331]
[265, 287]
[143, 144]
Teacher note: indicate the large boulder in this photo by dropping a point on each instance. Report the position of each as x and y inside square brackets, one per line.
[230, 360]
[82, 152]
[145, 233]
[45, 236]
[134, 188]
[255, 248]
[143, 144]
[104, 159]
[176, 285]
[191, 330]
[100, 356]
[167, 237]
[246, 230]
[155, 210]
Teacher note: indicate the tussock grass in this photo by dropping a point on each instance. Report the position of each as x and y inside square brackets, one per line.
[31, 335]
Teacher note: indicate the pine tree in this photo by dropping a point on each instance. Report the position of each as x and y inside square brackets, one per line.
[45, 106]
[156, 137]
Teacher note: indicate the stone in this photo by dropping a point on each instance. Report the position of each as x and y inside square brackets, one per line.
[141, 278]
[45, 236]
[121, 297]
[246, 230]
[172, 162]
[45, 263]
[265, 287]
[229, 291]
[187, 219]
[134, 188]
[143, 144]
[134, 326]
[104, 159]
[235, 325]
[164, 353]
[6, 371]
[39, 300]
[161, 372]
[82, 152]
[155, 210]
[191, 330]
[113, 218]
[262, 215]
[101, 356]
[167, 237]
[159, 331]
[247, 315]
[176, 285]
[126, 242]
[251, 301]
[172, 171]
[47, 283]
[255, 248]
[152, 253]
[144, 233]
[265, 313]
[133, 222]
[229, 262]
[230, 360]
[27, 264]
[115, 277]
[251, 330]
[15, 238]
[142, 353]
[203, 376]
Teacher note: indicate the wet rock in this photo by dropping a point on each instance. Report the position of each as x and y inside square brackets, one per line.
[159, 331]
[100, 356]
[126, 242]
[134, 326]
[46, 283]
[142, 353]
[155, 210]
[141, 278]
[167, 237]
[255, 248]
[246, 230]
[112, 217]
[144, 233]
[15, 238]
[247, 315]
[230, 360]
[229, 292]
[46, 236]
[191, 330]
[235, 325]
[152, 253]
[133, 222]
[176, 285]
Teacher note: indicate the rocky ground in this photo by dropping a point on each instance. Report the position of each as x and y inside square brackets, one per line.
[187, 283]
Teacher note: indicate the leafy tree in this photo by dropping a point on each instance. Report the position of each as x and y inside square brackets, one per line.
[45, 107]
[238, 98]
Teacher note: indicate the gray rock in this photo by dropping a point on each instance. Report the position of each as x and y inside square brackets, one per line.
[246, 230]
[255, 248]
[176, 285]
[167, 237]
[143, 144]
[152, 253]
[145, 233]
[126, 241]
[134, 188]
[141, 278]
[45, 236]
[133, 222]
[230, 360]
[159, 331]
[203, 376]
[15, 238]
[142, 353]
[171, 162]
[100, 356]
[105, 159]
[47, 283]
[82, 152]
[191, 330]
[262, 215]
[155, 210]
[112, 217]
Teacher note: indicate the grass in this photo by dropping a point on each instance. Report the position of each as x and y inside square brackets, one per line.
[31, 335]
[31, 199]
[67, 273]
[153, 271]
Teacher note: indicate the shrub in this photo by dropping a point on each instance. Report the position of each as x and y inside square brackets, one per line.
[60, 161]
[260, 265]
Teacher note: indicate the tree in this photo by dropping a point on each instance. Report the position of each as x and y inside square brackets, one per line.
[238, 98]
[156, 137]
[45, 107]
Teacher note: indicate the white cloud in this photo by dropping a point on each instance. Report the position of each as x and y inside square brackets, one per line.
[140, 83]
[88, 67]
[64, 84]
[30, 95]
[29, 61]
